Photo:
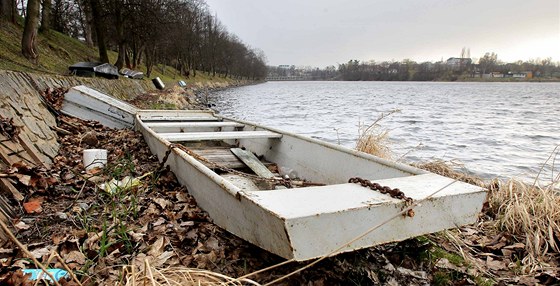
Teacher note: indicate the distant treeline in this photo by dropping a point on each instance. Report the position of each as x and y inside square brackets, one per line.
[179, 33]
[487, 66]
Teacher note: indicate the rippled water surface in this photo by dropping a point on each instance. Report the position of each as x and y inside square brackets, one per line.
[495, 129]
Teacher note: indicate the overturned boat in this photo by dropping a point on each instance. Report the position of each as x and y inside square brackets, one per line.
[294, 196]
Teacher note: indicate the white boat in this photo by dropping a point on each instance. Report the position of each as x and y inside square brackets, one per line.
[324, 213]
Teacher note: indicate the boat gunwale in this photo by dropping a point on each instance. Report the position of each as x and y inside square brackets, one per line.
[226, 184]
[386, 162]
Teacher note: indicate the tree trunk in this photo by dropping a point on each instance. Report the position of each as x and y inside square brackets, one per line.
[87, 20]
[150, 55]
[29, 38]
[8, 10]
[120, 58]
[46, 17]
[127, 59]
[138, 57]
[119, 26]
[99, 30]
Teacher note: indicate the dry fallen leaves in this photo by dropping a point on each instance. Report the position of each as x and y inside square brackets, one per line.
[8, 129]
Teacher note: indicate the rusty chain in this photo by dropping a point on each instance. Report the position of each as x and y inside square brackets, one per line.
[394, 193]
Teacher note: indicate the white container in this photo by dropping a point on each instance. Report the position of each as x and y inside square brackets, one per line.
[95, 158]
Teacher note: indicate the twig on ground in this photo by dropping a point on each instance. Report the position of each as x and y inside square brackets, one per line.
[24, 250]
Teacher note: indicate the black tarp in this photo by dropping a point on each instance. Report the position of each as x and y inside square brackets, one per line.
[94, 69]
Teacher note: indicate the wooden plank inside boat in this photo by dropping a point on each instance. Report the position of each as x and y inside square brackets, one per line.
[201, 136]
[241, 182]
[252, 162]
[221, 156]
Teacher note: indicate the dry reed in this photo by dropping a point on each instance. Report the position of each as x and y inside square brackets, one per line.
[175, 96]
[374, 140]
[183, 276]
[530, 213]
[450, 169]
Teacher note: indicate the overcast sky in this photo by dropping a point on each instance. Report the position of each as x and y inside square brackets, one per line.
[326, 32]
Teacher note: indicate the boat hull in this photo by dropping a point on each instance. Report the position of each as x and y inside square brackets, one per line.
[310, 222]
[300, 223]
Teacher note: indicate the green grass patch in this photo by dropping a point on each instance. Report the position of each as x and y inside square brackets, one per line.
[439, 253]
[163, 105]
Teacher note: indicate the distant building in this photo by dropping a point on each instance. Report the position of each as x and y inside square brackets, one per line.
[458, 63]
[525, 74]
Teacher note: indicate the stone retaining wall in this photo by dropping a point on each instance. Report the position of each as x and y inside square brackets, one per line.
[20, 99]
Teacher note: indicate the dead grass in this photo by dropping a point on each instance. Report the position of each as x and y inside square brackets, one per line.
[450, 169]
[150, 275]
[531, 213]
[176, 96]
[528, 212]
[374, 140]
[172, 98]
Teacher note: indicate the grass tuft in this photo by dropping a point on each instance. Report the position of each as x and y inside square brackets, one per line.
[150, 275]
[529, 212]
[374, 140]
[450, 169]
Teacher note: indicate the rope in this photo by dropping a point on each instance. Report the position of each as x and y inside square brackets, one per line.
[336, 251]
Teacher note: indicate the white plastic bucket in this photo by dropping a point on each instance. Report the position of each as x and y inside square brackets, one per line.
[95, 158]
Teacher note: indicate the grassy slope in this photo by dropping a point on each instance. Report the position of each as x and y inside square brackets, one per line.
[58, 51]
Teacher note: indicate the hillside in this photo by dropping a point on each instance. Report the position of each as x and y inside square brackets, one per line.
[58, 51]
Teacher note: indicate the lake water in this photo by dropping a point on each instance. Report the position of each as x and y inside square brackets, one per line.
[494, 129]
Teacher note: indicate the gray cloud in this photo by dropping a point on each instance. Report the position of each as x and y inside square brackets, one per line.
[325, 32]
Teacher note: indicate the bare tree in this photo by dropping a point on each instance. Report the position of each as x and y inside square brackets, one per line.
[180, 33]
[29, 38]
[488, 62]
[8, 10]
[99, 30]
[46, 16]
[86, 20]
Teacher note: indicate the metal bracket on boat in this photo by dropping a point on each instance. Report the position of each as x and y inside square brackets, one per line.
[394, 193]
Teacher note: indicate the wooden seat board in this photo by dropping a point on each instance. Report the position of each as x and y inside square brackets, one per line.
[221, 156]
[180, 118]
[202, 136]
[179, 124]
